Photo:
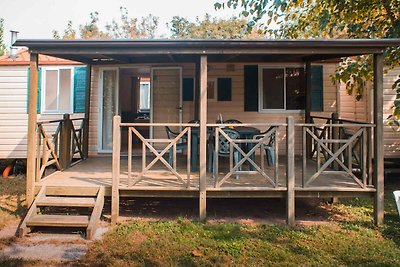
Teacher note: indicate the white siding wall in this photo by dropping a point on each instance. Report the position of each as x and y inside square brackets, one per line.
[362, 110]
[13, 112]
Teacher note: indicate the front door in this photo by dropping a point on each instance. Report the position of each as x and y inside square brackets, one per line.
[166, 103]
[108, 106]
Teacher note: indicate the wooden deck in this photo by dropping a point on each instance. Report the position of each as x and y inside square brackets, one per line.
[159, 181]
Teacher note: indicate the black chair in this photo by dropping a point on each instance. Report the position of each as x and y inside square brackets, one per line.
[180, 147]
[232, 121]
[223, 149]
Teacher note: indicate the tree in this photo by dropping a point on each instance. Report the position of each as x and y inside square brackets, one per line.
[126, 28]
[331, 19]
[2, 45]
[133, 28]
[210, 28]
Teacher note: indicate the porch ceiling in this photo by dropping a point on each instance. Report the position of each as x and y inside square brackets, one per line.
[168, 51]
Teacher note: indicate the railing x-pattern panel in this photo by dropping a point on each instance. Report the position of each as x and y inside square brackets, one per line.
[232, 145]
[148, 143]
[339, 153]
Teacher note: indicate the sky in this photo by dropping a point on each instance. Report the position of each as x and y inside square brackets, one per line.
[37, 19]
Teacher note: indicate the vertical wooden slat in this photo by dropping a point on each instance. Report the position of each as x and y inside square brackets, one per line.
[115, 169]
[87, 112]
[364, 157]
[38, 157]
[189, 154]
[32, 119]
[129, 156]
[308, 107]
[335, 136]
[216, 158]
[369, 163]
[276, 157]
[304, 162]
[203, 137]
[197, 90]
[378, 140]
[290, 179]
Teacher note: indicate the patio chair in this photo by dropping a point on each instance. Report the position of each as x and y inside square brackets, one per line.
[269, 146]
[223, 149]
[180, 147]
[232, 121]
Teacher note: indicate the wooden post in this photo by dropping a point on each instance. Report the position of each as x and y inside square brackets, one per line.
[115, 169]
[87, 112]
[335, 135]
[65, 143]
[203, 138]
[32, 138]
[290, 178]
[308, 107]
[378, 140]
[197, 90]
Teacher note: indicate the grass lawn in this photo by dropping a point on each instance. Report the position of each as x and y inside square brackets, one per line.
[349, 238]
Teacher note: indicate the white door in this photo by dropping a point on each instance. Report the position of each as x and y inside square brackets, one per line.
[108, 106]
[166, 98]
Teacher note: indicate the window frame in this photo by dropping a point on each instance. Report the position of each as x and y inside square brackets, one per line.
[261, 109]
[43, 109]
[149, 94]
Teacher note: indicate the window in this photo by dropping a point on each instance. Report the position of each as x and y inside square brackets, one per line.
[57, 86]
[144, 103]
[282, 88]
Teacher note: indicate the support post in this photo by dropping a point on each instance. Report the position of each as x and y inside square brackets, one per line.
[115, 169]
[203, 138]
[87, 112]
[32, 138]
[290, 178]
[378, 140]
[308, 107]
[65, 144]
[335, 136]
[197, 90]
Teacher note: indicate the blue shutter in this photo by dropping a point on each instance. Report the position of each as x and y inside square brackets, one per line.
[224, 89]
[79, 89]
[188, 89]
[250, 88]
[317, 88]
[39, 90]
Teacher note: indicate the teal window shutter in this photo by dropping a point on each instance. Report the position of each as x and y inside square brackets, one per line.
[317, 88]
[250, 88]
[224, 89]
[79, 89]
[39, 89]
[188, 89]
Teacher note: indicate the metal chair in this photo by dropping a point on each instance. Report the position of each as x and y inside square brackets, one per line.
[223, 149]
[232, 121]
[180, 147]
[270, 145]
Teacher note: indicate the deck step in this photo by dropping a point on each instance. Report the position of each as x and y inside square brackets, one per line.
[67, 202]
[58, 221]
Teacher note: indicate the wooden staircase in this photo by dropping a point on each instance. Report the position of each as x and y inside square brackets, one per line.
[54, 206]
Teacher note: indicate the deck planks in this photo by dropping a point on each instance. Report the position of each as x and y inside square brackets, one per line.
[96, 171]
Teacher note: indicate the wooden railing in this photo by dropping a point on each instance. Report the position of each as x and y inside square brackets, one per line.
[339, 147]
[246, 149]
[59, 143]
[168, 147]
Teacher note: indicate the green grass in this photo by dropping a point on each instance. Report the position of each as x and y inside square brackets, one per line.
[348, 239]
[12, 199]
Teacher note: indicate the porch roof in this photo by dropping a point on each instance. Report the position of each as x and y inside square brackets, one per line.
[160, 51]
